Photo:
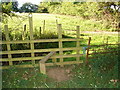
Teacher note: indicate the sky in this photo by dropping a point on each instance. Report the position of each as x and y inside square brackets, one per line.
[32, 1]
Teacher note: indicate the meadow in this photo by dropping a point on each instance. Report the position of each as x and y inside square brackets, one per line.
[101, 72]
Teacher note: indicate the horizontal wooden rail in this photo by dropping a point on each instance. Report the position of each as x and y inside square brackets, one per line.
[47, 57]
[104, 45]
[103, 49]
[38, 50]
[47, 64]
[102, 52]
[37, 58]
[37, 41]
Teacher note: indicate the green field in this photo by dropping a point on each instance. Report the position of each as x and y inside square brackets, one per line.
[100, 73]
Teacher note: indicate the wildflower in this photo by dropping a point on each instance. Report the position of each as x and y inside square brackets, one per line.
[112, 80]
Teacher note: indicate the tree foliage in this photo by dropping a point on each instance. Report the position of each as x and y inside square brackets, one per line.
[28, 7]
[106, 11]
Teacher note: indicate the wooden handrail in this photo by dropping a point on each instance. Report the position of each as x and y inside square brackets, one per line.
[47, 57]
[42, 62]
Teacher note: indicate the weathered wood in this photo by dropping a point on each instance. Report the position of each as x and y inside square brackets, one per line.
[54, 60]
[42, 68]
[60, 41]
[37, 41]
[47, 57]
[46, 64]
[43, 26]
[103, 49]
[8, 45]
[77, 42]
[31, 36]
[102, 52]
[38, 50]
[40, 31]
[37, 58]
[88, 50]
[42, 62]
[24, 32]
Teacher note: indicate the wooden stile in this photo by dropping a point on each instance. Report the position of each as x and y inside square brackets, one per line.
[42, 62]
[8, 45]
[32, 50]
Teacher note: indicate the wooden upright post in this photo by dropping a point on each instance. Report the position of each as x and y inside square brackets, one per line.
[40, 30]
[8, 45]
[31, 36]
[78, 42]
[88, 50]
[24, 32]
[60, 42]
[43, 26]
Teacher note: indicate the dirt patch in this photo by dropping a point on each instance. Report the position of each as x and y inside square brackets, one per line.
[60, 73]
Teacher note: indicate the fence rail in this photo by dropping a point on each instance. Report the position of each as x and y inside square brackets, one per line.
[32, 49]
[101, 51]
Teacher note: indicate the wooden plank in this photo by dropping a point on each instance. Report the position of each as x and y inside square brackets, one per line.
[88, 50]
[103, 45]
[103, 52]
[8, 45]
[42, 62]
[77, 42]
[103, 49]
[42, 68]
[31, 36]
[54, 60]
[37, 41]
[37, 58]
[60, 42]
[38, 50]
[46, 64]
[47, 57]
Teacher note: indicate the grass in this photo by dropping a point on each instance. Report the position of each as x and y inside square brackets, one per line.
[100, 72]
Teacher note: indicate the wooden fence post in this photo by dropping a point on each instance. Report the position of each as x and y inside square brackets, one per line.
[60, 42]
[42, 67]
[8, 45]
[24, 32]
[43, 26]
[78, 42]
[31, 36]
[88, 50]
[40, 30]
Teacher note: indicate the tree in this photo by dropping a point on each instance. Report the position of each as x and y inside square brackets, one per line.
[9, 5]
[28, 7]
